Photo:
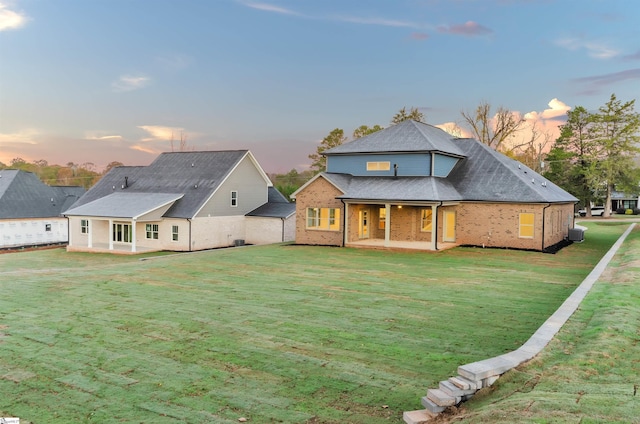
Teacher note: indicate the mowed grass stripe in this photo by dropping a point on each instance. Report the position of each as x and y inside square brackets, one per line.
[275, 333]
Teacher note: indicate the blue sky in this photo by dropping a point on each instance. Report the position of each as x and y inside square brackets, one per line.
[111, 80]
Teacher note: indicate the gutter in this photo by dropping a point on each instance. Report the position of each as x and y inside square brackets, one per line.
[543, 219]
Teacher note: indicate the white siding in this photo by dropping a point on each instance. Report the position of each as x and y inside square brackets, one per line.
[32, 231]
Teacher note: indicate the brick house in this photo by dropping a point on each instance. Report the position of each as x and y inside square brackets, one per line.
[414, 186]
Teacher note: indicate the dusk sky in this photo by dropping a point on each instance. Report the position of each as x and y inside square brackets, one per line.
[111, 80]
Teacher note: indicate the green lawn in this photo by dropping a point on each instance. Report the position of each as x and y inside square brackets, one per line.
[276, 333]
[591, 372]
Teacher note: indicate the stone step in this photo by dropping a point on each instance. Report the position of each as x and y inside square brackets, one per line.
[463, 383]
[431, 406]
[453, 390]
[420, 416]
[440, 398]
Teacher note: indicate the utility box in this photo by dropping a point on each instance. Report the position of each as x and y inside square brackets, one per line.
[576, 234]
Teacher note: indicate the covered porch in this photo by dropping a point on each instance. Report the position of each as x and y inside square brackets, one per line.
[400, 225]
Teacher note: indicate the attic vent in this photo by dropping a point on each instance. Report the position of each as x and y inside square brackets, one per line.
[192, 165]
[533, 181]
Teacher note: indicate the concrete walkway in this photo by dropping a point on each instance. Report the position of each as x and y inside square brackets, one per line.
[484, 373]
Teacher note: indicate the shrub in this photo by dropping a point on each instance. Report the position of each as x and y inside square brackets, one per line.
[628, 212]
[636, 211]
[621, 211]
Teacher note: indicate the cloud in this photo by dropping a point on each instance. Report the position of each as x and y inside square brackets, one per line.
[267, 7]
[594, 83]
[161, 133]
[360, 20]
[468, 29]
[632, 57]
[556, 109]
[144, 149]
[419, 36]
[130, 83]
[101, 135]
[26, 136]
[596, 50]
[377, 21]
[10, 19]
[455, 130]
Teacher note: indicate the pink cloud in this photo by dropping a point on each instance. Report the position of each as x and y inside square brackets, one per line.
[419, 36]
[468, 29]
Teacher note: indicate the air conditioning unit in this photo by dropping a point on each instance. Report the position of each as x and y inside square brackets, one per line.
[576, 234]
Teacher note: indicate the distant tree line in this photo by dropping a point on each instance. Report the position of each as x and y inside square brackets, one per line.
[71, 174]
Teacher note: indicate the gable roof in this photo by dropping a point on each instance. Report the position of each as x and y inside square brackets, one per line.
[23, 195]
[194, 175]
[407, 136]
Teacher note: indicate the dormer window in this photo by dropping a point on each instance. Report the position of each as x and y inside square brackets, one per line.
[378, 166]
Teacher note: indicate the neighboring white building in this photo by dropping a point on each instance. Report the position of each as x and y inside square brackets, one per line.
[183, 201]
[30, 211]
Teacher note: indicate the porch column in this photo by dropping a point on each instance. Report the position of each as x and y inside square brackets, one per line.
[434, 226]
[387, 224]
[345, 236]
[90, 235]
[110, 234]
[133, 235]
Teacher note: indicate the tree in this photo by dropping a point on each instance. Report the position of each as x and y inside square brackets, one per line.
[363, 130]
[291, 181]
[403, 115]
[573, 155]
[111, 165]
[616, 127]
[334, 139]
[495, 130]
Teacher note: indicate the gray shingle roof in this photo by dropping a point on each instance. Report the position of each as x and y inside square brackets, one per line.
[171, 173]
[486, 175]
[124, 205]
[418, 189]
[407, 136]
[277, 206]
[23, 195]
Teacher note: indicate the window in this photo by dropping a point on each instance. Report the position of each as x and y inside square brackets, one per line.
[526, 225]
[234, 198]
[84, 226]
[426, 221]
[152, 231]
[323, 219]
[122, 233]
[378, 166]
[174, 233]
[47, 227]
[383, 218]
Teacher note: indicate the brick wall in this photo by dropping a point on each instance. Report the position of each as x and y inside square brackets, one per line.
[318, 194]
[497, 224]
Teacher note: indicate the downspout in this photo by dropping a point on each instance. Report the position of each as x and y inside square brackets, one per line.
[282, 219]
[189, 221]
[543, 219]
